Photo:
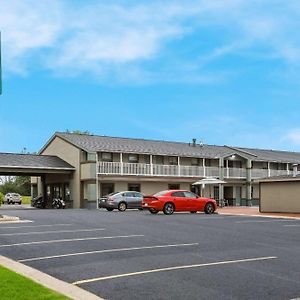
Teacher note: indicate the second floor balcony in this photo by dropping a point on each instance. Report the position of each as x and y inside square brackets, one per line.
[140, 169]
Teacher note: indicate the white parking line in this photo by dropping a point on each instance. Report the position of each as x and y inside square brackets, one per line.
[55, 231]
[37, 226]
[107, 251]
[265, 221]
[174, 268]
[72, 240]
[292, 225]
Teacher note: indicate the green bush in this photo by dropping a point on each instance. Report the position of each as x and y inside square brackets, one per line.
[1, 198]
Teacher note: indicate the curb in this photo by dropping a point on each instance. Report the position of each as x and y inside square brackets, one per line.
[261, 216]
[62, 287]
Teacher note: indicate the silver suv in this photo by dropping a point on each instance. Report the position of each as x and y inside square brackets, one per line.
[12, 198]
[121, 201]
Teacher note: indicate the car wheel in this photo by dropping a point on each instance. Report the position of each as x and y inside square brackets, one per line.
[20, 203]
[169, 209]
[109, 209]
[209, 208]
[193, 212]
[153, 211]
[122, 206]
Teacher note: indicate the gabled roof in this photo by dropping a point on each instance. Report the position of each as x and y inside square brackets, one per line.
[32, 161]
[94, 143]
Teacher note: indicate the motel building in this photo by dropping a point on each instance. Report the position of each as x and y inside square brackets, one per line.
[81, 168]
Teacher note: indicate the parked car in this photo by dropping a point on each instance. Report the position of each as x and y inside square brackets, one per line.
[12, 198]
[121, 201]
[178, 200]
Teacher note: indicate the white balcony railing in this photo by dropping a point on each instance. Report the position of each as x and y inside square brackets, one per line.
[235, 173]
[118, 168]
[259, 173]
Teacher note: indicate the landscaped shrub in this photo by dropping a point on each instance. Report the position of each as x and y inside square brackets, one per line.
[1, 198]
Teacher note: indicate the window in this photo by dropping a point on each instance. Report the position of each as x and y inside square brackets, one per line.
[173, 160]
[106, 156]
[178, 194]
[174, 186]
[195, 162]
[208, 162]
[157, 159]
[128, 194]
[136, 187]
[189, 195]
[133, 158]
[91, 156]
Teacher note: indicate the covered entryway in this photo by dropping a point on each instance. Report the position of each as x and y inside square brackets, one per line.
[50, 174]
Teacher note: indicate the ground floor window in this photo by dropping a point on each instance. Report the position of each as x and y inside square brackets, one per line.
[174, 186]
[216, 192]
[107, 188]
[135, 187]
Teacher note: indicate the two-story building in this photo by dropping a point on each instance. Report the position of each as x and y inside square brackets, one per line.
[105, 164]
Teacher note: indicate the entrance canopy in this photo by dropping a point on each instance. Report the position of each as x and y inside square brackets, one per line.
[209, 181]
[32, 165]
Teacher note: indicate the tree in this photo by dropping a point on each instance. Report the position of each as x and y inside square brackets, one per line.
[20, 185]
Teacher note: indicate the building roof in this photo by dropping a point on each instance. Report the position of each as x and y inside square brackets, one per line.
[33, 161]
[289, 177]
[94, 143]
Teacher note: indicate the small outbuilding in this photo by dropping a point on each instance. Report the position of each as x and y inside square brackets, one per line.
[280, 194]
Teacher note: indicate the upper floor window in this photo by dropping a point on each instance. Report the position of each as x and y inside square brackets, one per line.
[173, 160]
[133, 158]
[174, 186]
[195, 161]
[106, 156]
[91, 156]
[158, 159]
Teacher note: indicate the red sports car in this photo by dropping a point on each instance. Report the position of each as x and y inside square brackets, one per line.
[178, 200]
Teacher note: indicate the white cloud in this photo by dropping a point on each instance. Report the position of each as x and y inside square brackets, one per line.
[106, 38]
[293, 136]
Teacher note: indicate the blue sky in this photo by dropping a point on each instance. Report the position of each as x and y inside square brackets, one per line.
[226, 72]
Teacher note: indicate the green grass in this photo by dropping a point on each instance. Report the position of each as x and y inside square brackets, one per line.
[16, 287]
[26, 199]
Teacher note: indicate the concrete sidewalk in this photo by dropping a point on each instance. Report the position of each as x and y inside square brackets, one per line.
[253, 211]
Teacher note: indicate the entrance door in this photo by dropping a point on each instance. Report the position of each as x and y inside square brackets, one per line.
[228, 194]
[107, 188]
[238, 195]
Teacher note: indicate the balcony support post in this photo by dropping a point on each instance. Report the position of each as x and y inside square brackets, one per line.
[203, 164]
[151, 164]
[97, 182]
[121, 162]
[248, 183]
[221, 176]
[178, 162]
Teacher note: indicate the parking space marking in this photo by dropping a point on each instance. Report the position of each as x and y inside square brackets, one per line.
[37, 226]
[265, 221]
[72, 240]
[55, 231]
[108, 251]
[292, 225]
[174, 269]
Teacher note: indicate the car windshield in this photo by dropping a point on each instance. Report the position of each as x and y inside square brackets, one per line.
[162, 193]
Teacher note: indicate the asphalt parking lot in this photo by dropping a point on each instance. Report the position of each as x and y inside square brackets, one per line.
[136, 255]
